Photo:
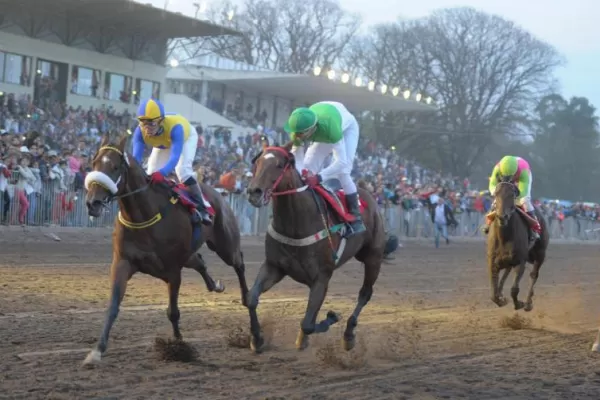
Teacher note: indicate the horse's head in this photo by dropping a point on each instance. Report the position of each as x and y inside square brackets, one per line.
[107, 177]
[269, 167]
[505, 197]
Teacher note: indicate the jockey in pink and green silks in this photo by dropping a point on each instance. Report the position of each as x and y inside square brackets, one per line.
[517, 171]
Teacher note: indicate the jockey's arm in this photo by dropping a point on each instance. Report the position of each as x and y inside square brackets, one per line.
[523, 184]
[340, 158]
[138, 145]
[494, 179]
[176, 150]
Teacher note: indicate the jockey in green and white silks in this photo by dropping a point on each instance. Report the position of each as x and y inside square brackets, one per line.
[330, 128]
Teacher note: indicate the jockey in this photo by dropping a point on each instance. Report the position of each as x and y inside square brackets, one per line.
[517, 171]
[173, 141]
[330, 128]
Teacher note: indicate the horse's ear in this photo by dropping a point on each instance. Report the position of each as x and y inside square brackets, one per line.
[105, 140]
[123, 142]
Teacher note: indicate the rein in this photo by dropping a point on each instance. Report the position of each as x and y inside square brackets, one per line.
[286, 168]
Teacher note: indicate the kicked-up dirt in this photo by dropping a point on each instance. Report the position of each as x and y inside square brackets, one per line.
[430, 331]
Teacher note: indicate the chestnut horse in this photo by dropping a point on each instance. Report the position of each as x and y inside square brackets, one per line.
[305, 241]
[156, 236]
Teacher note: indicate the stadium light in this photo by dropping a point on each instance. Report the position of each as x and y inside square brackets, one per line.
[331, 74]
[345, 78]
[428, 100]
[358, 81]
[317, 71]
[406, 94]
[134, 92]
[230, 14]
[383, 89]
[371, 86]
[395, 91]
[174, 63]
[418, 97]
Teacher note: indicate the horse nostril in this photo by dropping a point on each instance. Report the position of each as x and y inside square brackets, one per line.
[255, 191]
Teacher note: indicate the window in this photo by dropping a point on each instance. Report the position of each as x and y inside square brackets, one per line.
[2, 57]
[117, 87]
[84, 81]
[16, 69]
[145, 89]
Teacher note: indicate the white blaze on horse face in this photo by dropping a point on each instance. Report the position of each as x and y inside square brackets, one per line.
[268, 155]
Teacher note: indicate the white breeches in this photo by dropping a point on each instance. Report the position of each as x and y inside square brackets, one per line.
[159, 157]
[525, 198]
[343, 151]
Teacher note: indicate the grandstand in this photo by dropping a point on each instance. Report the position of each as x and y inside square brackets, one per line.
[90, 53]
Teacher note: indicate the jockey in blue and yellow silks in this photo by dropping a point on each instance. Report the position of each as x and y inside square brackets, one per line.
[174, 141]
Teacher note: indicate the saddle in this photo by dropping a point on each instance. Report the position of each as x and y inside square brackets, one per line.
[491, 216]
[185, 198]
[336, 199]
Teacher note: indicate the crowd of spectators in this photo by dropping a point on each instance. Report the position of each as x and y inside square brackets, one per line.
[45, 154]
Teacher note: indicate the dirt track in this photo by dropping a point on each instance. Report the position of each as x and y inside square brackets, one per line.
[430, 331]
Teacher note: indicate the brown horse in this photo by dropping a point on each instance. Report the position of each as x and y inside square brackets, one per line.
[305, 243]
[155, 235]
[509, 247]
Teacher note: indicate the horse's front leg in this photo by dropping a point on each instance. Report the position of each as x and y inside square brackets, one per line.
[514, 291]
[317, 294]
[268, 276]
[120, 272]
[496, 293]
[173, 314]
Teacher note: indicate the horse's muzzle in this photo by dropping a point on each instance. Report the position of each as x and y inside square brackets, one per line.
[258, 197]
[94, 208]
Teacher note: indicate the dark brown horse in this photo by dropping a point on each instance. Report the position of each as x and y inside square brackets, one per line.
[509, 247]
[155, 235]
[304, 242]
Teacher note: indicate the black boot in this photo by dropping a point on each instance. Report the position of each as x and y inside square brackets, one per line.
[534, 229]
[196, 192]
[357, 226]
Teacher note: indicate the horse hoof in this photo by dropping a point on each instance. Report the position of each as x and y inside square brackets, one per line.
[519, 305]
[301, 342]
[500, 301]
[596, 347]
[333, 317]
[257, 346]
[219, 286]
[94, 357]
[528, 307]
[348, 344]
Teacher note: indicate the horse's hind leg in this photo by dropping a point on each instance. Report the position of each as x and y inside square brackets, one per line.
[268, 276]
[120, 272]
[196, 262]
[173, 286]
[372, 268]
[514, 291]
[532, 280]
[317, 294]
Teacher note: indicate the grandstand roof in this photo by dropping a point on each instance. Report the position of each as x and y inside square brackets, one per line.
[300, 88]
[126, 15]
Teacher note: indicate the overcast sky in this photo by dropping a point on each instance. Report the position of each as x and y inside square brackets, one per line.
[572, 26]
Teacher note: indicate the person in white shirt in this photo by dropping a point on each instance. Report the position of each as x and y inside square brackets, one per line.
[441, 216]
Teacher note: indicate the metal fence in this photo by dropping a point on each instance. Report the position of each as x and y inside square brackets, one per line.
[53, 206]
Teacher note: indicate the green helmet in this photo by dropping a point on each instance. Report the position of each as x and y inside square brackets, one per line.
[508, 166]
[301, 120]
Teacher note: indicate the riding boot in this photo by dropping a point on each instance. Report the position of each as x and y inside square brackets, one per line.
[196, 191]
[536, 228]
[357, 226]
[487, 222]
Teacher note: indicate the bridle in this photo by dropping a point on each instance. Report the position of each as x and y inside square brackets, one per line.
[289, 163]
[122, 177]
[514, 190]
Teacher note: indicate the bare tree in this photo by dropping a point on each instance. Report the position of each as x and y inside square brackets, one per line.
[485, 73]
[285, 35]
